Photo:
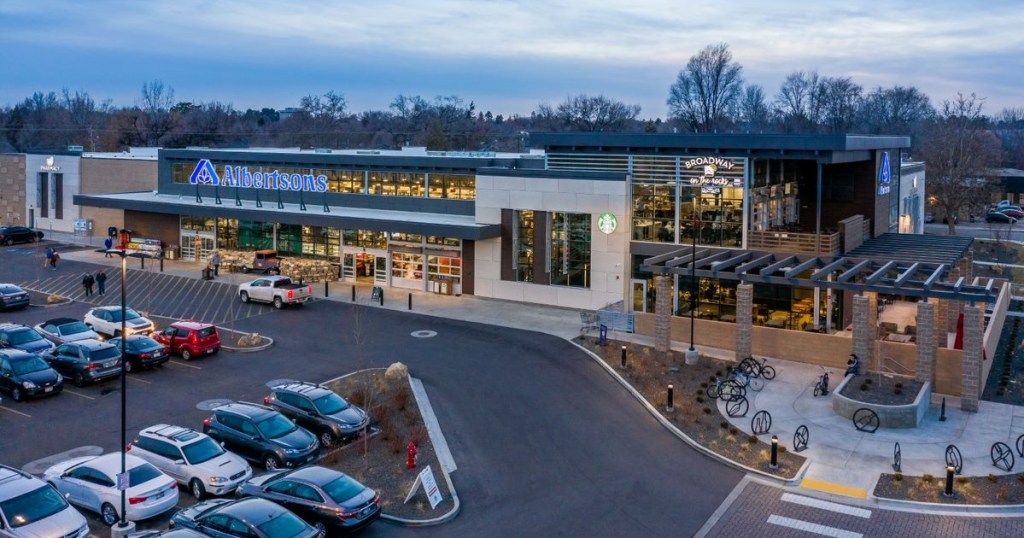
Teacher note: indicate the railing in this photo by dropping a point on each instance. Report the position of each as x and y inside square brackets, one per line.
[824, 245]
[616, 318]
[887, 361]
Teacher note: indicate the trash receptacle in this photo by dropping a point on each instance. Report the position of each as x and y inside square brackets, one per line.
[207, 273]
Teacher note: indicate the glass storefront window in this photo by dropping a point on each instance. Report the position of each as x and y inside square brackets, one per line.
[344, 181]
[443, 241]
[570, 249]
[444, 266]
[308, 241]
[366, 239]
[407, 265]
[523, 245]
[197, 224]
[654, 211]
[234, 234]
[412, 239]
[452, 186]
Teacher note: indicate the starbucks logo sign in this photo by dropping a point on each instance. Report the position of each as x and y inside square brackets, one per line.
[606, 222]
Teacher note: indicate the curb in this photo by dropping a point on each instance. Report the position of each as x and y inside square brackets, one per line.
[68, 301]
[685, 438]
[261, 347]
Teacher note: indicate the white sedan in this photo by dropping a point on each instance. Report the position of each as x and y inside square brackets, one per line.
[106, 320]
[91, 483]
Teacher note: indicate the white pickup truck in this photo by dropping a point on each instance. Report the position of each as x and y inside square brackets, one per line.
[275, 289]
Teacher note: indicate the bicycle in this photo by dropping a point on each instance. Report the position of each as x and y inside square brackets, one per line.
[821, 387]
[727, 389]
[748, 380]
[756, 368]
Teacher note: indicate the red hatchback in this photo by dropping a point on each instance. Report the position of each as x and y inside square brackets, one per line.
[189, 339]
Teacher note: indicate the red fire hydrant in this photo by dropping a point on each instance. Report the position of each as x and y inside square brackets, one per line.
[411, 462]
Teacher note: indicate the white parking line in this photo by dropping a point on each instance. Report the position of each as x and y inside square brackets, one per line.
[826, 505]
[15, 412]
[139, 379]
[79, 394]
[179, 363]
[807, 526]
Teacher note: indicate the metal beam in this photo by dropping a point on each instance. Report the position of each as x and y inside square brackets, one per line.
[905, 275]
[756, 263]
[732, 261]
[655, 260]
[767, 271]
[688, 258]
[959, 284]
[854, 271]
[828, 269]
[706, 261]
[880, 273]
[801, 268]
[930, 281]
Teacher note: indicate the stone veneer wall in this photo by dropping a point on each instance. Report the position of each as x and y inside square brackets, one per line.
[12, 190]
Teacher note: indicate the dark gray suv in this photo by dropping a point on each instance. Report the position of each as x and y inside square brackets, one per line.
[260, 433]
[85, 361]
[319, 410]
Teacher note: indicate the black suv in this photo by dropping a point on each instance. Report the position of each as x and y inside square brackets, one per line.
[25, 374]
[260, 433]
[319, 410]
[329, 499]
[18, 234]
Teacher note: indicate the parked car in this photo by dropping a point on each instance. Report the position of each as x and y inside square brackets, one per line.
[929, 218]
[1012, 211]
[24, 338]
[263, 261]
[141, 352]
[18, 234]
[261, 433]
[319, 410]
[91, 483]
[190, 339]
[65, 330]
[331, 500]
[25, 375]
[106, 320]
[12, 297]
[192, 458]
[85, 361]
[997, 216]
[244, 518]
[30, 508]
[278, 290]
[169, 533]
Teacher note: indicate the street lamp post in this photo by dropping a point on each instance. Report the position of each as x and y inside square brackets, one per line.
[692, 356]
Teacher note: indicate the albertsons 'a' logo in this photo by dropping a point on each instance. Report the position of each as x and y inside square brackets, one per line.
[884, 174]
[204, 173]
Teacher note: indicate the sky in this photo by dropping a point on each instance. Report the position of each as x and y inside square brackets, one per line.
[507, 57]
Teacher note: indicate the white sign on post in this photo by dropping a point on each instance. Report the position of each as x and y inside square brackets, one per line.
[426, 477]
[122, 481]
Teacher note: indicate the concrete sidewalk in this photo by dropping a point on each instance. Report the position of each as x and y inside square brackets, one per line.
[842, 460]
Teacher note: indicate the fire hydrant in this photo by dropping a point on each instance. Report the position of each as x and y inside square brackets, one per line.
[411, 462]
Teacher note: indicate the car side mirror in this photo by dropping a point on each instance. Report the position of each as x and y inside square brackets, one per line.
[179, 462]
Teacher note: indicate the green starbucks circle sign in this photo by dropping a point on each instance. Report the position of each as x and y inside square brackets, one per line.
[606, 222]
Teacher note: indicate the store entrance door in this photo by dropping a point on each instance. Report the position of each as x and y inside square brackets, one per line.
[193, 244]
[639, 296]
[364, 267]
[380, 273]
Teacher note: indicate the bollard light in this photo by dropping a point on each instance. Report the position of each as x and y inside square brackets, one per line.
[669, 399]
[410, 301]
[950, 471]
[327, 287]
[774, 463]
[623, 365]
[353, 293]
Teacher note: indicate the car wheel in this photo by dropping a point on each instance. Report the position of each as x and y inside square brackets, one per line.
[244, 296]
[270, 462]
[278, 303]
[197, 489]
[108, 514]
[245, 269]
[321, 529]
[186, 354]
[16, 394]
[326, 439]
[78, 379]
[129, 367]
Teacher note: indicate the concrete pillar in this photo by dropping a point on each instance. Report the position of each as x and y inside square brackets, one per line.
[926, 351]
[970, 386]
[863, 332]
[744, 321]
[663, 314]
[870, 359]
[941, 323]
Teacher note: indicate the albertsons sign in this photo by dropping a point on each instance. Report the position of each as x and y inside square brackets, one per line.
[240, 176]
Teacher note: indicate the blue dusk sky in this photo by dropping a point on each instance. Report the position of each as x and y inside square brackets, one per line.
[506, 56]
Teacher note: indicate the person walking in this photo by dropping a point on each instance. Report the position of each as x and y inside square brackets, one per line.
[101, 282]
[49, 256]
[108, 244]
[53, 260]
[216, 263]
[87, 282]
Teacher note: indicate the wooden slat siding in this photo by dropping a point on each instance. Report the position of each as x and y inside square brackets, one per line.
[468, 266]
[507, 271]
[793, 242]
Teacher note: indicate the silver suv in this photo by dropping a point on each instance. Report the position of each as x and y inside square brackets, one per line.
[192, 458]
[30, 507]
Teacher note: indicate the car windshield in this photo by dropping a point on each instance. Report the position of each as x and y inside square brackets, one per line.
[285, 525]
[129, 314]
[104, 354]
[330, 404]
[275, 426]
[23, 337]
[27, 366]
[202, 450]
[203, 333]
[33, 506]
[142, 474]
[144, 344]
[343, 488]
[73, 328]
[9, 289]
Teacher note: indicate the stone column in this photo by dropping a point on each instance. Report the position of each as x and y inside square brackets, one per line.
[862, 330]
[970, 387]
[941, 323]
[870, 359]
[744, 321]
[954, 308]
[926, 351]
[663, 314]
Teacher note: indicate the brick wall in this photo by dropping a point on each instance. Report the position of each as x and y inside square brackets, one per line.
[153, 226]
[114, 175]
[12, 190]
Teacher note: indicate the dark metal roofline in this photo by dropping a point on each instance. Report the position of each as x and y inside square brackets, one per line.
[914, 248]
[552, 174]
[609, 142]
[324, 159]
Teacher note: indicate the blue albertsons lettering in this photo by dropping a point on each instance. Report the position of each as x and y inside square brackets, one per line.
[240, 176]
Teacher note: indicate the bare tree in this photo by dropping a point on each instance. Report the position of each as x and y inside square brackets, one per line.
[796, 102]
[157, 100]
[753, 111]
[1010, 129]
[587, 113]
[706, 89]
[895, 110]
[839, 99]
[959, 150]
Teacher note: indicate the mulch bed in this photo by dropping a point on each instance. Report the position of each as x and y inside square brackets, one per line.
[695, 415]
[882, 389]
[379, 461]
[991, 490]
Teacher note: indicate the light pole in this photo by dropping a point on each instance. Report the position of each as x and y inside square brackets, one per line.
[692, 356]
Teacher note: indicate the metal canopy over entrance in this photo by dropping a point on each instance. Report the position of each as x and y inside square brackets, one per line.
[908, 278]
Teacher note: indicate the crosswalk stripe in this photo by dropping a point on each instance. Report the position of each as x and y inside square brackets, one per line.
[826, 505]
[816, 528]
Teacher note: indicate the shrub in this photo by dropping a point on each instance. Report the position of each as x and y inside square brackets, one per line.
[700, 399]
[864, 386]
[868, 381]
[724, 424]
[752, 439]
[899, 386]
[897, 392]
[707, 410]
[400, 399]
[782, 449]
[927, 479]
[993, 478]
[703, 386]
[417, 434]
[733, 431]
[898, 477]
